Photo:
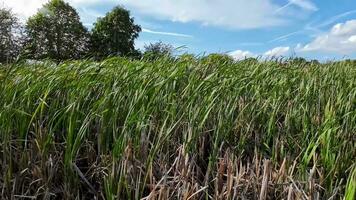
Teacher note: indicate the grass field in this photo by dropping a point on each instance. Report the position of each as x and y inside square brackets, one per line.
[188, 128]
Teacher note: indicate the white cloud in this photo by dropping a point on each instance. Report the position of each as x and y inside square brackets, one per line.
[277, 51]
[145, 30]
[239, 54]
[234, 14]
[340, 39]
[303, 4]
[335, 18]
[24, 8]
[27, 8]
[284, 37]
[352, 38]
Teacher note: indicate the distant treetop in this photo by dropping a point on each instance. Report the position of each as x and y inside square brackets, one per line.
[114, 34]
[56, 32]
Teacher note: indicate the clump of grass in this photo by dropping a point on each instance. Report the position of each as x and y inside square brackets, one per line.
[187, 128]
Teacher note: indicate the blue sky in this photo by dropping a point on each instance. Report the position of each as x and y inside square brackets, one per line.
[315, 29]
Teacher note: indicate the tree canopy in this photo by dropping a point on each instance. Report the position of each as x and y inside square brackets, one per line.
[114, 34]
[10, 36]
[56, 32]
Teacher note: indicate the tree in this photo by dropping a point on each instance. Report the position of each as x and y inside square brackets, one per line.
[114, 34]
[158, 50]
[56, 32]
[11, 37]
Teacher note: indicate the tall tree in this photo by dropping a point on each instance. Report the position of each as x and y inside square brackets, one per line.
[11, 36]
[114, 34]
[56, 32]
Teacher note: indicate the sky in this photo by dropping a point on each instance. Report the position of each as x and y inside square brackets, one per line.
[314, 29]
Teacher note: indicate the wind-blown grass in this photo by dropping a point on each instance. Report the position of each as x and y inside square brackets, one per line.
[183, 129]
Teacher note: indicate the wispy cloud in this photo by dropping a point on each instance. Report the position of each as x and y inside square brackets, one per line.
[303, 4]
[340, 39]
[231, 14]
[286, 36]
[314, 28]
[335, 18]
[145, 30]
[283, 7]
[91, 12]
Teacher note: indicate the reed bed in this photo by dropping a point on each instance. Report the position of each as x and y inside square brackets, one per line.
[186, 128]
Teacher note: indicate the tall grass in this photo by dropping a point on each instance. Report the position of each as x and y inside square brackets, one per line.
[188, 128]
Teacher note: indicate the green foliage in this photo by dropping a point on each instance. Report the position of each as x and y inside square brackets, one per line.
[114, 34]
[249, 61]
[11, 36]
[119, 129]
[158, 50]
[56, 32]
[297, 60]
[218, 59]
[350, 192]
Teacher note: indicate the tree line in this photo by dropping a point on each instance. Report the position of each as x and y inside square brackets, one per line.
[56, 32]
